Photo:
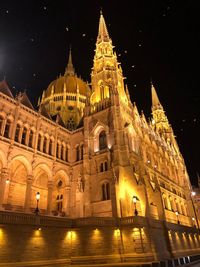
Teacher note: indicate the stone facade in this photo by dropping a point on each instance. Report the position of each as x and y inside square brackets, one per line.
[114, 164]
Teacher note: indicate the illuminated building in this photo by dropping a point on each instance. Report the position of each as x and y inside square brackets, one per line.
[89, 152]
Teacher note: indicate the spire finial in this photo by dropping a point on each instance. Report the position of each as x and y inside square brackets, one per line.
[69, 69]
[103, 32]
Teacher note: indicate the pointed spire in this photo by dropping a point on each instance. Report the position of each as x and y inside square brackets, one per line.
[69, 69]
[103, 32]
[155, 100]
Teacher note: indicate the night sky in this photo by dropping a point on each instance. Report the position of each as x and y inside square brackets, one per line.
[155, 40]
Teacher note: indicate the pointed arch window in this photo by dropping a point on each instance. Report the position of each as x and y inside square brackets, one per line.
[66, 154]
[62, 152]
[106, 166]
[58, 150]
[39, 142]
[105, 191]
[50, 147]
[30, 141]
[17, 132]
[45, 144]
[7, 129]
[102, 140]
[24, 134]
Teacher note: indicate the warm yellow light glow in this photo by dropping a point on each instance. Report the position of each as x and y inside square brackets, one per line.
[7, 181]
[1, 233]
[38, 232]
[71, 234]
[193, 218]
[116, 232]
[37, 195]
[193, 193]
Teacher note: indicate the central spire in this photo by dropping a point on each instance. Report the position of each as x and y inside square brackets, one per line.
[69, 69]
[103, 32]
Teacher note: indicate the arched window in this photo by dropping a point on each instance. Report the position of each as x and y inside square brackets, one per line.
[77, 154]
[39, 142]
[45, 144]
[17, 131]
[24, 133]
[106, 166]
[1, 124]
[30, 141]
[58, 150]
[105, 191]
[50, 147]
[66, 154]
[7, 129]
[102, 140]
[62, 152]
[101, 167]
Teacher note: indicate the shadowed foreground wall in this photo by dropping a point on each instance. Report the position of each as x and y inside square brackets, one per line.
[131, 242]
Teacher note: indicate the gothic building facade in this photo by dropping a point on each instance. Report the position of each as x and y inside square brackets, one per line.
[88, 151]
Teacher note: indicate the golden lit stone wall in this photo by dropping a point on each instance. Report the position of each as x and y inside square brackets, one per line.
[148, 241]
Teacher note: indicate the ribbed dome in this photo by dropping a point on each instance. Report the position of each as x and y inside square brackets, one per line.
[70, 83]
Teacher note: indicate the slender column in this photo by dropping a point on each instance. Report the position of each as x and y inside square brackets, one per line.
[3, 179]
[66, 200]
[27, 203]
[49, 197]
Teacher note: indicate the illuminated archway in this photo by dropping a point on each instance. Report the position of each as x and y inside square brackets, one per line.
[18, 183]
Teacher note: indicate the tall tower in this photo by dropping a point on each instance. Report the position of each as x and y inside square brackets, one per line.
[106, 76]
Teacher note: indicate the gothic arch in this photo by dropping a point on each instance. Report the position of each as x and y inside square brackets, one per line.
[63, 175]
[45, 168]
[19, 170]
[99, 127]
[24, 161]
[42, 176]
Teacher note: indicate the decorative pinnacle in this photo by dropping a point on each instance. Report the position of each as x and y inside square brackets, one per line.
[69, 69]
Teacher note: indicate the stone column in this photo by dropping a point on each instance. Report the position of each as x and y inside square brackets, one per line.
[27, 203]
[66, 200]
[3, 178]
[49, 197]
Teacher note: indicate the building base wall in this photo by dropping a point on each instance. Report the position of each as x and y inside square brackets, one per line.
[132, 239]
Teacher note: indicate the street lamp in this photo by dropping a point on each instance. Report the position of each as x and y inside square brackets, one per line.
[177, 217]
[37, 199]
[135, 199]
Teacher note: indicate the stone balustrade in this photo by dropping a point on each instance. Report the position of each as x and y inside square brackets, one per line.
[7, 217]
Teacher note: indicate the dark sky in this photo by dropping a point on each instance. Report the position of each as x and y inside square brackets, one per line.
[155, 40]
